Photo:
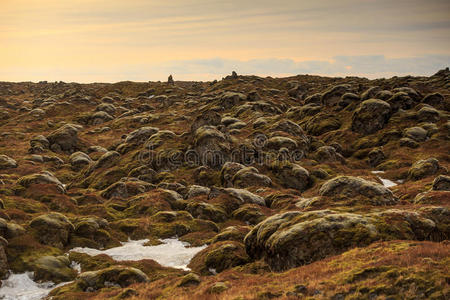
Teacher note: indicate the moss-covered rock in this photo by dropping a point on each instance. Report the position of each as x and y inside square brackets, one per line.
[351, 187]
[219, 257]
[7, 162]
[371, 116]
[41, 178]
[121, 276]
[56, 269]
[322, 123]
[52, 229]
[296, 238]
[291, 175]
[441, 183]
[423, 168]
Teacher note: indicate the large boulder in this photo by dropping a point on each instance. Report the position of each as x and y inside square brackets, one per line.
[79, 160]
[423, 168]
[241, 196]
[41, 178]
[333, 95]
[428, 114]
[249, 176]
[401, 100]
[371, 116]
[296, 238]
[289, 127]
[348, 187]
[328, 153]
[55, 269]
[139, 136]
[64, 139]
[322, 123]
[52, 229]
[38, 144]
[441, 183]
[230, 99]
[209, 117]
[212, 146]
[229, 169]
[206, 211]
[292, 175]
[219, 257]
[116, 275]
[7, 162]
[126, 187]
[107, 160]
[416, 133]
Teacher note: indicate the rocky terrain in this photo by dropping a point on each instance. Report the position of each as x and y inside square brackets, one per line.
[279, 188]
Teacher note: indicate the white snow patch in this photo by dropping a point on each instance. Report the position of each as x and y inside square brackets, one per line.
[387, 183]
[212, 271]
[22, 287]
[76, 266]
[172, 253]
[377, 172]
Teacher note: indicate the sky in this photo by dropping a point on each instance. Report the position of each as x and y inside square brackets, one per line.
[142, 40]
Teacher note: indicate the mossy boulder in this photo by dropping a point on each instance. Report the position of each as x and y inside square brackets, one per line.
[416, 133]
[289, 127]
[344, 187]
[240, 196]
[219, 257]
[322, 123]
[121, 276]
[126, 188]
[207, 211]
[218, 288]
[52, 229]
[441, 183]
[428, 114]
[41, 178]
[401, 100]
[65, 139]
[249, 176]
[190, 279]
[249, 213]
[278, 142]
[291, 239]
[423, 168]
[212, 146]
[333, 95]
[79, 160]
[7, 162]
[197, 190]
[291, 175]
[232, 233]
[375, 157]
[107, 160]
[328, 154]
[56, 269]
[296, 238]
[371, 116]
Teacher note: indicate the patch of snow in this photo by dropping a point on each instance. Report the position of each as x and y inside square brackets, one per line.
[212, 271]
[376, 172]
[76, 266]
[387, 183]
[22, 287]
[172, 253]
